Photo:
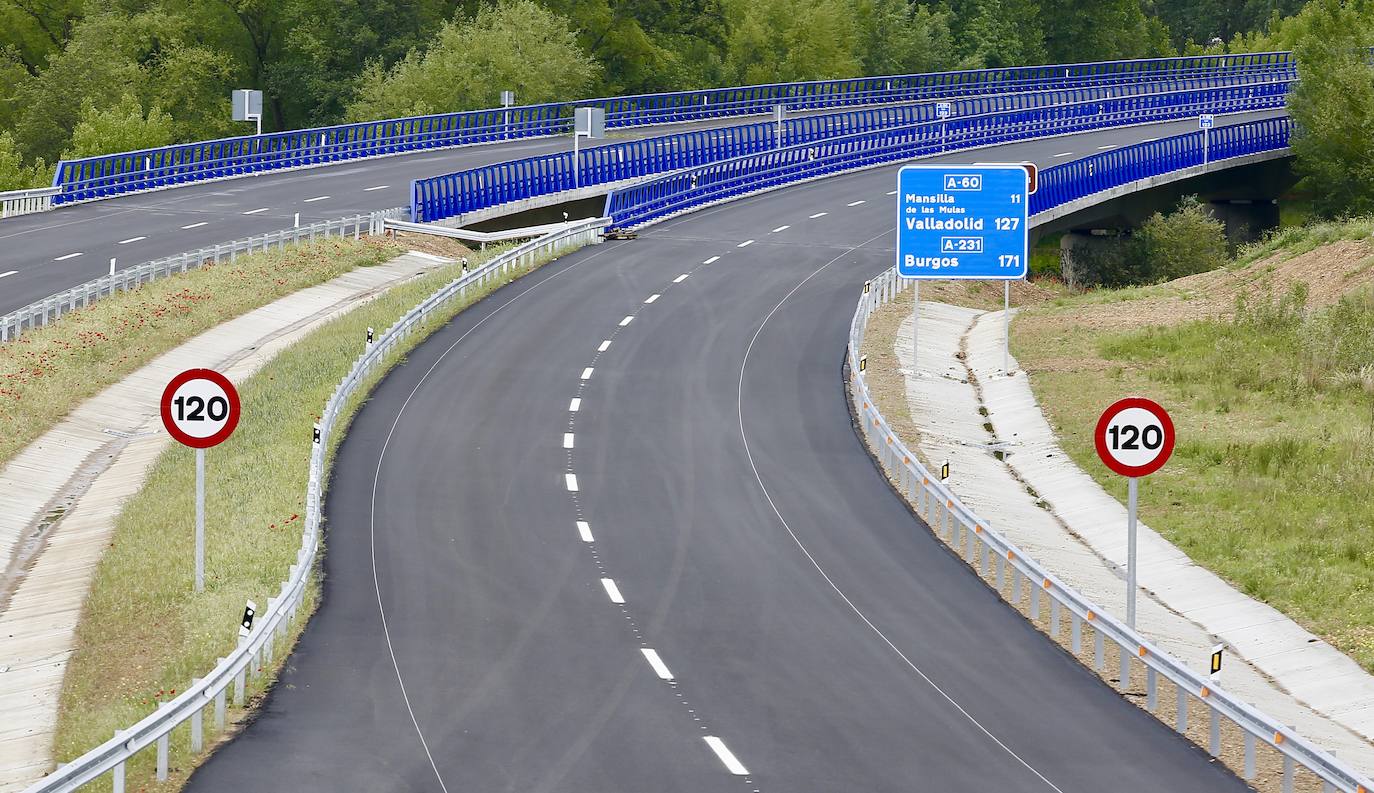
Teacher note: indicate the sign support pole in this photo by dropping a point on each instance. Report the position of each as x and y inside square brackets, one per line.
[1006, 327]
[200, 520]
[1132, 499]
[915, 326]
[576, 160]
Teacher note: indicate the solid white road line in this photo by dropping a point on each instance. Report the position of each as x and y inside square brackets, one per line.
[575, 405]
[745, 244]
[571, 480]
[68, 256]
[612, 591]
[567, 440]
[129, 240]
[819, 215]
[604, 346]
[727, 757]
[196, 225]
[378, 187]
[256, 211]
[1064, 154]
[855, 203]
[313, 200]
[681, 278]
[651, 298]
[626, 321]
[779, 229]
[7, 274]
[660, 668]
[587, 373]
[584, 531]
[712, 259]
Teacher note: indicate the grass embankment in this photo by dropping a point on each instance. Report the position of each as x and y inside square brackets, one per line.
[46, 373]
[1267, 368]
[143, 635]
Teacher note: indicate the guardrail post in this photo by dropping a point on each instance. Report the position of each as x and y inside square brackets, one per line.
[1015, 584]
[1001, 573]
[1151, 689]
[117, 774]
[197, 724]
[1214, 734]
[1034, 603]
[162, 752]
[1125, 668]
[1250, 756]
[1054, 617]
[1181, 717]
[1099, 650]
[220, 705]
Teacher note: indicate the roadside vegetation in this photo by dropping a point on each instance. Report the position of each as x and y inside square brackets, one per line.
[47, 372]
[142, 636]
[1267, 367]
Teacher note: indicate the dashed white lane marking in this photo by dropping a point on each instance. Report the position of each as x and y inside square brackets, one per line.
[712, 259]
[256, 211]
[584, 530]
[1149, 140]
[313, 200]
[892, 192]
[745, 244]
[198, 225]
[575, 405]
[660, 668]
[1108, 146]
[587, 373]
[819, 215]
[129, 240]
[378, 187]
[855, 203]
[1064, 154]
[571, 481]
[612, 591]
[651, 298]
[779, 229]
[67, 256]
[626, 321]
[605, 345]
[732, 764]
[567, 440]
[681, 278]
[8, 273]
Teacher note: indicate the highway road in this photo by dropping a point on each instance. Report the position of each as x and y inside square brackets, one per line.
[611, 530]
[45, 253]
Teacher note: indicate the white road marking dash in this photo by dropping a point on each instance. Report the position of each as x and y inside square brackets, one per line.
[587, 373]
[819, 215]
[892, 192]
[129, 240]
[8, 273]
[1064, 154]
[651, 298]
[571, 480]
[681, 278]
[196, 225]
[612, 591]
[67, 256]
[660, 668]
[712, 259]
[626, 321]
[584, 531]
[605, 345]
[779, 229]
[575, 405]
[727, 757]
[855, 203]
[745, 244]
[378, 187]
[567, 440]
[313, 200]
[256, 211]
[1108, 146]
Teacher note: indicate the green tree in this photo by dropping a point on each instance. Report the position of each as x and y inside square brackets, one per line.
[900, 37]
[1007, 33]
[122, 127]
[1098, 30]
[789, 40]
[514, 44]
[1333, 106]
[14, 174]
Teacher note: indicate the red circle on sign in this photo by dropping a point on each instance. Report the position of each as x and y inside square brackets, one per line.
[1125, 444]
[231, 419]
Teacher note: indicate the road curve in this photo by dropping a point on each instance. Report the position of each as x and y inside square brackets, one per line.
[500, 557]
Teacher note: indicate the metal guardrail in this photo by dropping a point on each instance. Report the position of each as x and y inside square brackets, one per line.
[1032, 115]
[148, 169]
[978, 543]
[692, 188]
[51, 308]
[24, 202]
[274, 621]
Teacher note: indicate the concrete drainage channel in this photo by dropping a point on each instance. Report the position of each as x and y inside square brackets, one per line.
[1268, 754]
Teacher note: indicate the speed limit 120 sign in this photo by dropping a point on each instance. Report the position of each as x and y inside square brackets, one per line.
[1134, 437]
[200, 408]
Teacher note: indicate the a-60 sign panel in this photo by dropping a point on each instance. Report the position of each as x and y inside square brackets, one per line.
[962, 221]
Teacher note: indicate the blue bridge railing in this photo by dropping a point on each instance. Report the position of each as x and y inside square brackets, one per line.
[680, 192]
[108, 175]
[975, 122]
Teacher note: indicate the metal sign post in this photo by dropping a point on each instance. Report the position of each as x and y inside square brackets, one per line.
[591, 122]
[942, 112]
[247, 106]
[1205, 123]
[779, 114]
[507, 99]
[1134, 438]
[200, 409]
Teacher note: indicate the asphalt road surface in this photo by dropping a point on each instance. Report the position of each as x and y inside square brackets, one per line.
[45, 253]
[611, 530]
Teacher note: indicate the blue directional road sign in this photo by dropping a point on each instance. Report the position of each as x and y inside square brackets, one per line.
[962, 221]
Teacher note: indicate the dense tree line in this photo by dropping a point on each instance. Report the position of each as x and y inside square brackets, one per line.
[80, 77]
